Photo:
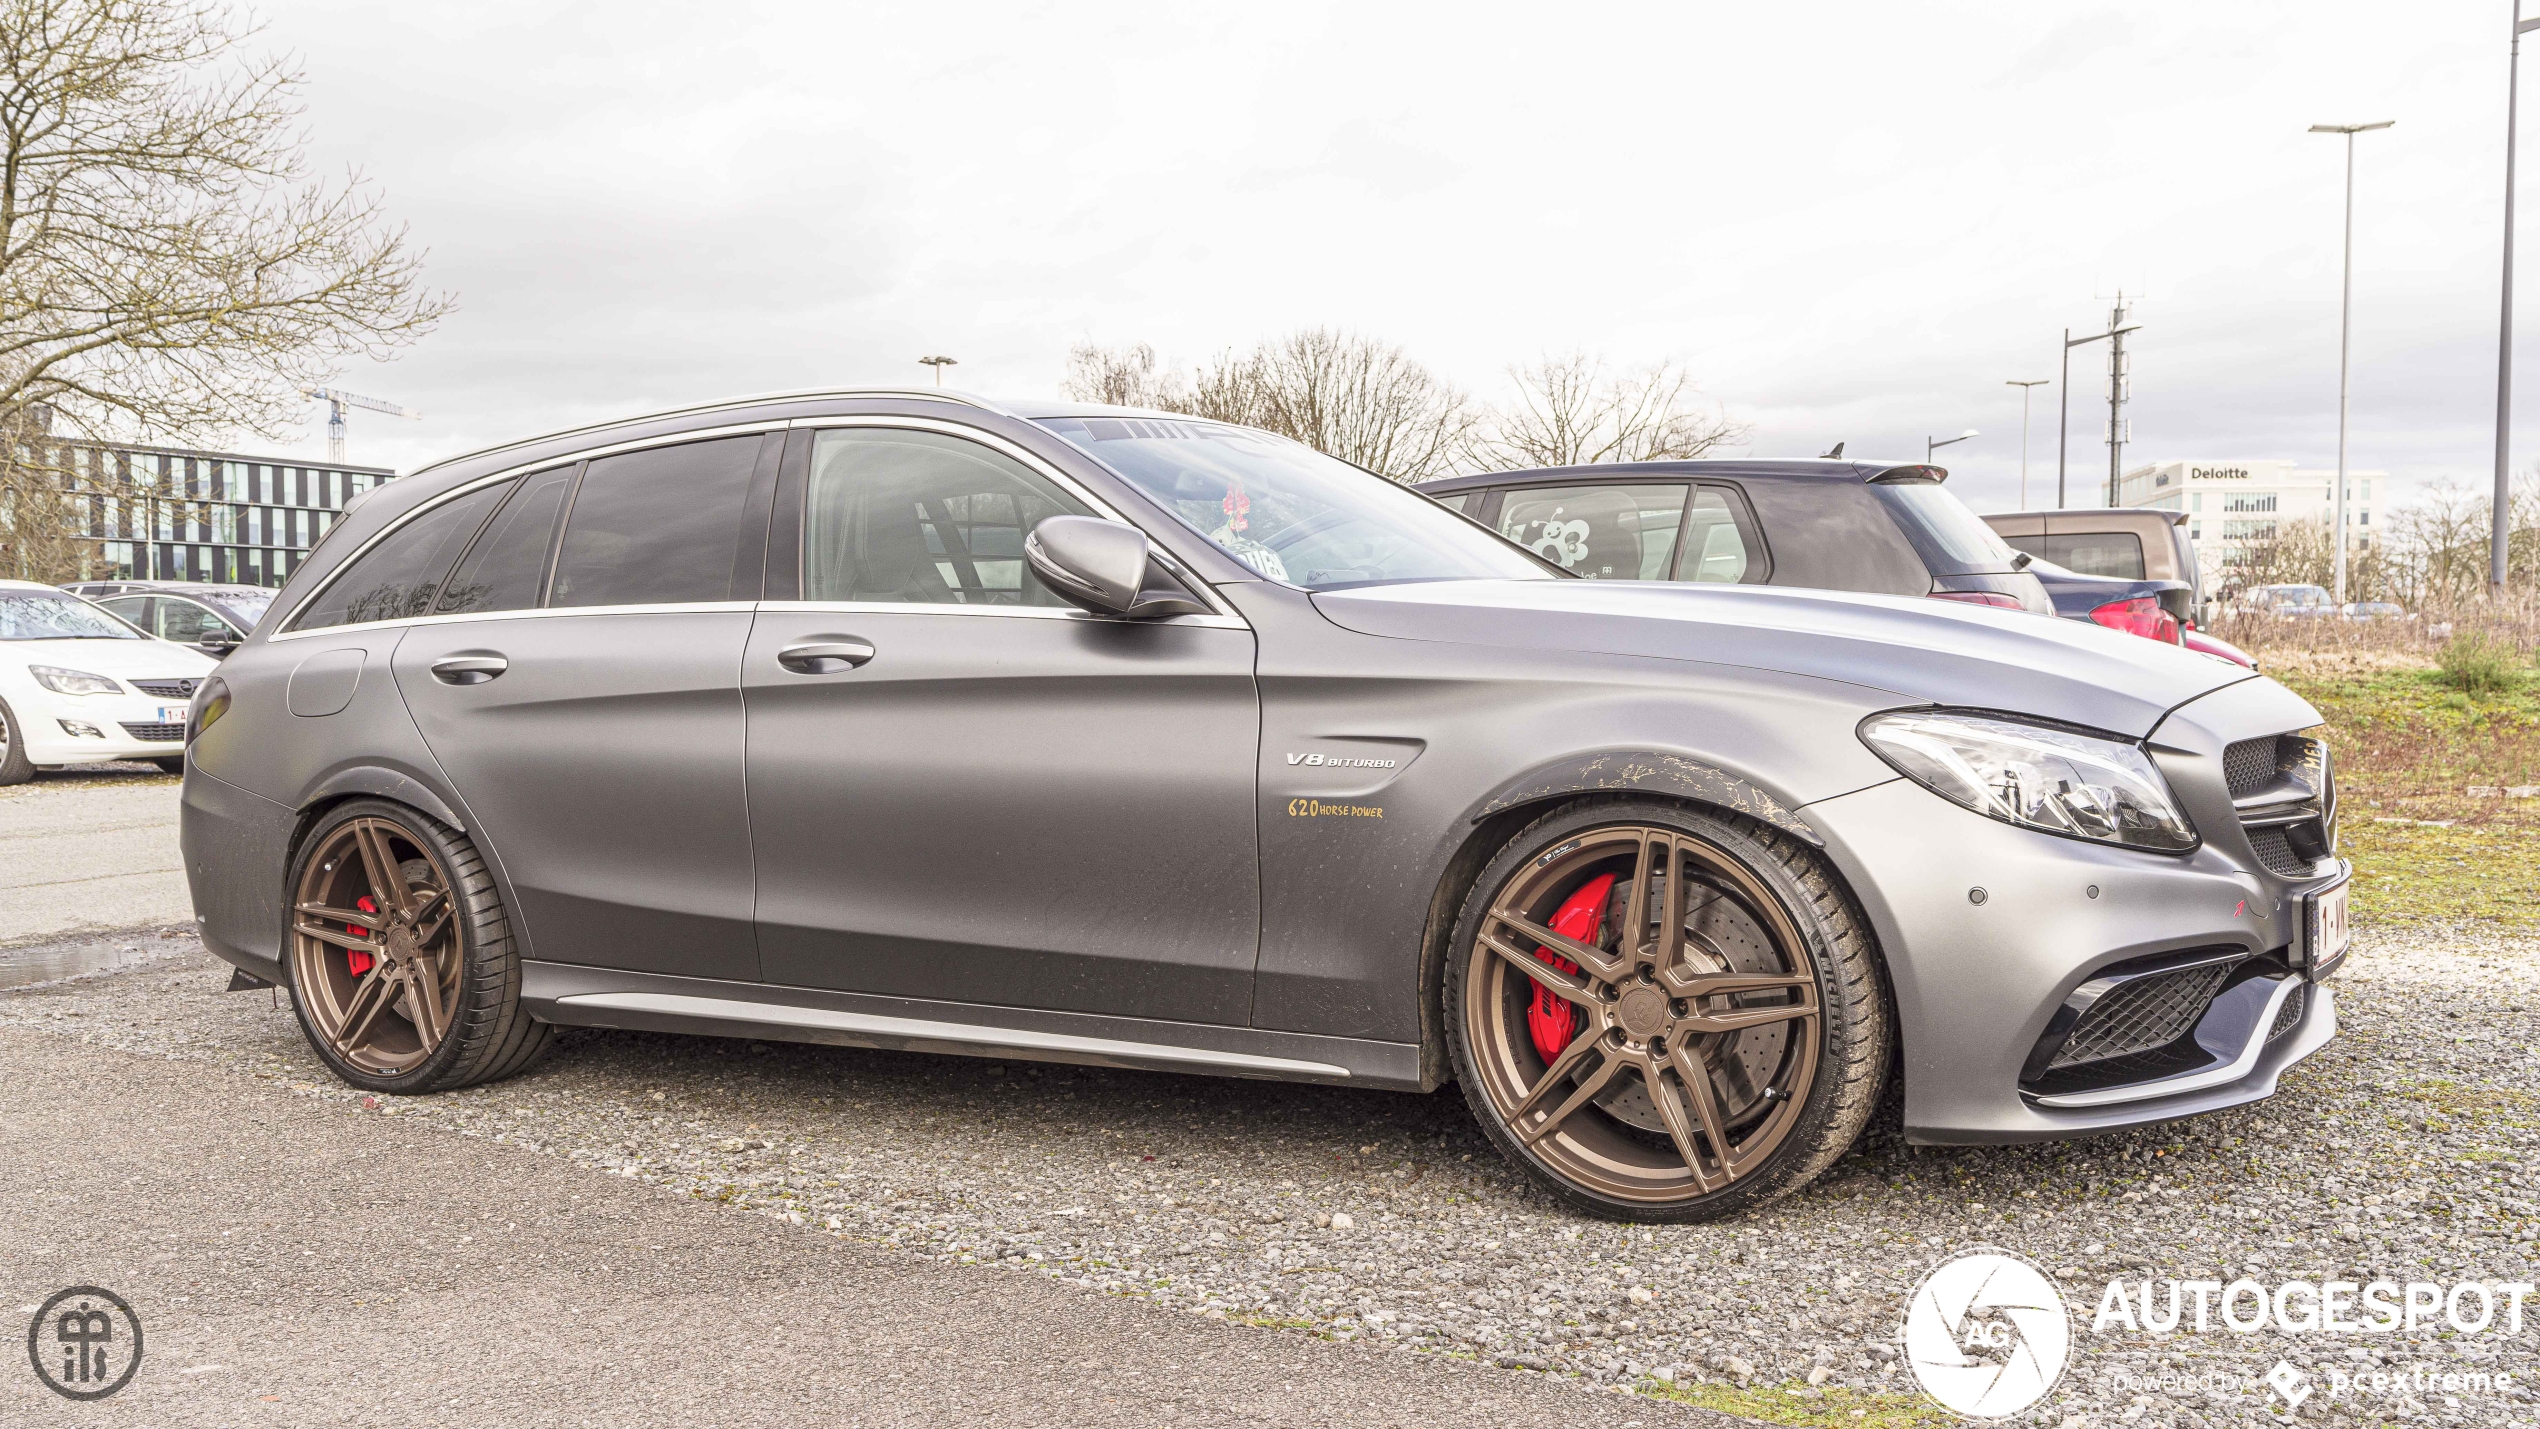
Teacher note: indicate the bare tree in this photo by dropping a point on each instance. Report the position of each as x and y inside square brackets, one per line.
[166, 264]
[1570, 411]
[1353, 397]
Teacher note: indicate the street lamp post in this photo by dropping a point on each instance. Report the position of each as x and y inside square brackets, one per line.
[2505, 324]
[1933, 444]
[2024, 396]
[939, 364]
[2064, 414]
[2345, 340]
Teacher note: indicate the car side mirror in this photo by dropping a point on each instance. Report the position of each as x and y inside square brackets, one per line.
[1103, 567]
[216, 645]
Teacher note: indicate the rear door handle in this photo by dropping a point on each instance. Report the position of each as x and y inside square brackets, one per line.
[825, 655]
[468, 669]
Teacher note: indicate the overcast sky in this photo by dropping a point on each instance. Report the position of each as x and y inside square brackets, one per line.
[1849, 221]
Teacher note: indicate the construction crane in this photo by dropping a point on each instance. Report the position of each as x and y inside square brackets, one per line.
[336, 400]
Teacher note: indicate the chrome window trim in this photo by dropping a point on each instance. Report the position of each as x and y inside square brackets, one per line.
[284, 628]
[1040, 466]
[807, 394]
[1012, 612]
[921, 1030]
[534, 612]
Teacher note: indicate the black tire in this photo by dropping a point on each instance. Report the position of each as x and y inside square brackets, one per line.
[15, 767]
[171, 764]
[1849, 1046]
[490, 1035]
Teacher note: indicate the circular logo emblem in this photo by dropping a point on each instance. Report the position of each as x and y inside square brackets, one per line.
[1987, 1335]
[85, 1343]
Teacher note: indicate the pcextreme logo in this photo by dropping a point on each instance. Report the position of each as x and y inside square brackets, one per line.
[1987, 1335]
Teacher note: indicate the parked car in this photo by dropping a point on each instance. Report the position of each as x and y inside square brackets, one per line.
[1828, 525]
[2205, 642]
[2131, 543]
[211, 617]
[2155, 610]
[2289, 602]
[2374, 610]
[1069, 732]
[78, 686]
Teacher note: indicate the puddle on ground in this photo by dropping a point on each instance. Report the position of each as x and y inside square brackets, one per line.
[52, 962]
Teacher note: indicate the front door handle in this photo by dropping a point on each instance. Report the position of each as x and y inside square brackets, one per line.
[468, 669]
[825, 655]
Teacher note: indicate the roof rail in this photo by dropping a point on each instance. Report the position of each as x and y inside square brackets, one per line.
[937, 394]
[1911, 471]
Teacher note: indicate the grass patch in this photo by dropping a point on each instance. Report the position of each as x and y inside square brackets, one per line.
[2476, 662]
[2409, 746]
[1822, 1409]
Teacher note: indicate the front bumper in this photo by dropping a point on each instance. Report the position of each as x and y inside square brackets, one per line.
[128, 726]
[1979, 976]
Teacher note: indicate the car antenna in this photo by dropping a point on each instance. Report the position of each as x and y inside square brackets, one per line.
[1837, 451]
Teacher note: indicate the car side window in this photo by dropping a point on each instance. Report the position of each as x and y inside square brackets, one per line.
[892, 515]
[132, 609]
[395, 579]
[660, 526]
[187, 622]
[1621, 533]
[506, 566]
[1715, 546]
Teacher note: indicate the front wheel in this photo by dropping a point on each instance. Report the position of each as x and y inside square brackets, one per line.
[1664, 1014]
[403, 970]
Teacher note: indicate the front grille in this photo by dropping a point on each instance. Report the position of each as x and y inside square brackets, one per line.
[2289, 1015]
[166, 689]
[2139, 1016]
[2289, 798]
[155, 733]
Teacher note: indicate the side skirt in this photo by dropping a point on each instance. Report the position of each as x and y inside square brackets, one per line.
[577, 996]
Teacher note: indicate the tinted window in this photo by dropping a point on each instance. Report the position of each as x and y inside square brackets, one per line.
[2100, 553]
[186, 622]
[396, 578]
[502, 571]
[1625, 533]
[1952, 538]
[656, 527]
[1833, 535]
[917, 516]
[1715, 549]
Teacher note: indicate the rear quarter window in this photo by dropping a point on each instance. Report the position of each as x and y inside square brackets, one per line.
[1833, 535]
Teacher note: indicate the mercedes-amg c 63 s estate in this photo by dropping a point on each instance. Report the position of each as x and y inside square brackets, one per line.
[910, 720]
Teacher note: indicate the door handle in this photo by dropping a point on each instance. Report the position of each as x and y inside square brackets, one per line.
[826, 655]
[468, 669]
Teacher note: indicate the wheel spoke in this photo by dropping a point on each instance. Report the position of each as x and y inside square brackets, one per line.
[1695, 1076]
[1712, 984]
[1589, 1086]
[1595, 960]
[424, 984]
[1658, 860]
[1743, 1017]
[368, 1000]
[1579, 1050]
[1569, 987]
[387, 881]
[354, 916]
[340, 938]
[1679, 1129]
[435, 901]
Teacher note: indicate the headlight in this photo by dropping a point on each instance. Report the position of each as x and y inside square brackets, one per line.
[72, 682]
[2035, 776]
[211, 701]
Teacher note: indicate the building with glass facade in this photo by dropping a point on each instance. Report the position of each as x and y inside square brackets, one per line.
[162, 513]
[2236, 507]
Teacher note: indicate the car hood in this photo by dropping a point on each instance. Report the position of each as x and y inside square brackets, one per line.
[145, 659]
[1924, 651]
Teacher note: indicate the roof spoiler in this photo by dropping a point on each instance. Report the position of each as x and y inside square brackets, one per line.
[1917, 471]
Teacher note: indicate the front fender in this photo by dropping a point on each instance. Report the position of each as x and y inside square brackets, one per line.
[1644, 771]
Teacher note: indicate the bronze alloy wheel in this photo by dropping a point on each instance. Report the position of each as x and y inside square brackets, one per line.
[401, 959]
[1644, 1013]
[375, 946]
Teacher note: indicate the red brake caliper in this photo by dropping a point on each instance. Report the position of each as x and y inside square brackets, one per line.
[1552, 1021]
[357, 962]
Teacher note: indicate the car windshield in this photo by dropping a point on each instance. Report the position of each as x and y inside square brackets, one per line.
[1291, 513]
[31, 615]
[248, 603]
[1955, 540]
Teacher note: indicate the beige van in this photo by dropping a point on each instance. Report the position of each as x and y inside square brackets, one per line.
[2132, 543]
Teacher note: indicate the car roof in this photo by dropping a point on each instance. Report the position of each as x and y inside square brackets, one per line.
[6, 584]
[2114, 515]
[1741, 468]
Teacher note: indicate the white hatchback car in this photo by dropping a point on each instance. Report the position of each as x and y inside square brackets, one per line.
[78, 686]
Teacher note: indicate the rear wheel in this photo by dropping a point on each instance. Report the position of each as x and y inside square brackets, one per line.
[403, 970]
[1664, 1014]
[15, 767]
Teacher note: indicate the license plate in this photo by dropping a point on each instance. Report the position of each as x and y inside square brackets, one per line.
[2325, 932]
[171, 714]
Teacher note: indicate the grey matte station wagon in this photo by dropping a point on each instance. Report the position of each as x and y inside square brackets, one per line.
[904, 719]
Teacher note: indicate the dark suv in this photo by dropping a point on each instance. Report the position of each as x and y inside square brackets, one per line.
[1829, 525]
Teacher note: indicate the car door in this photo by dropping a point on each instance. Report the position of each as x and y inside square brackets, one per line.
[586, 705]
[963, 788]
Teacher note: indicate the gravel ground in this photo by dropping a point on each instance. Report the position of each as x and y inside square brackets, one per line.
[2403, 1151]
